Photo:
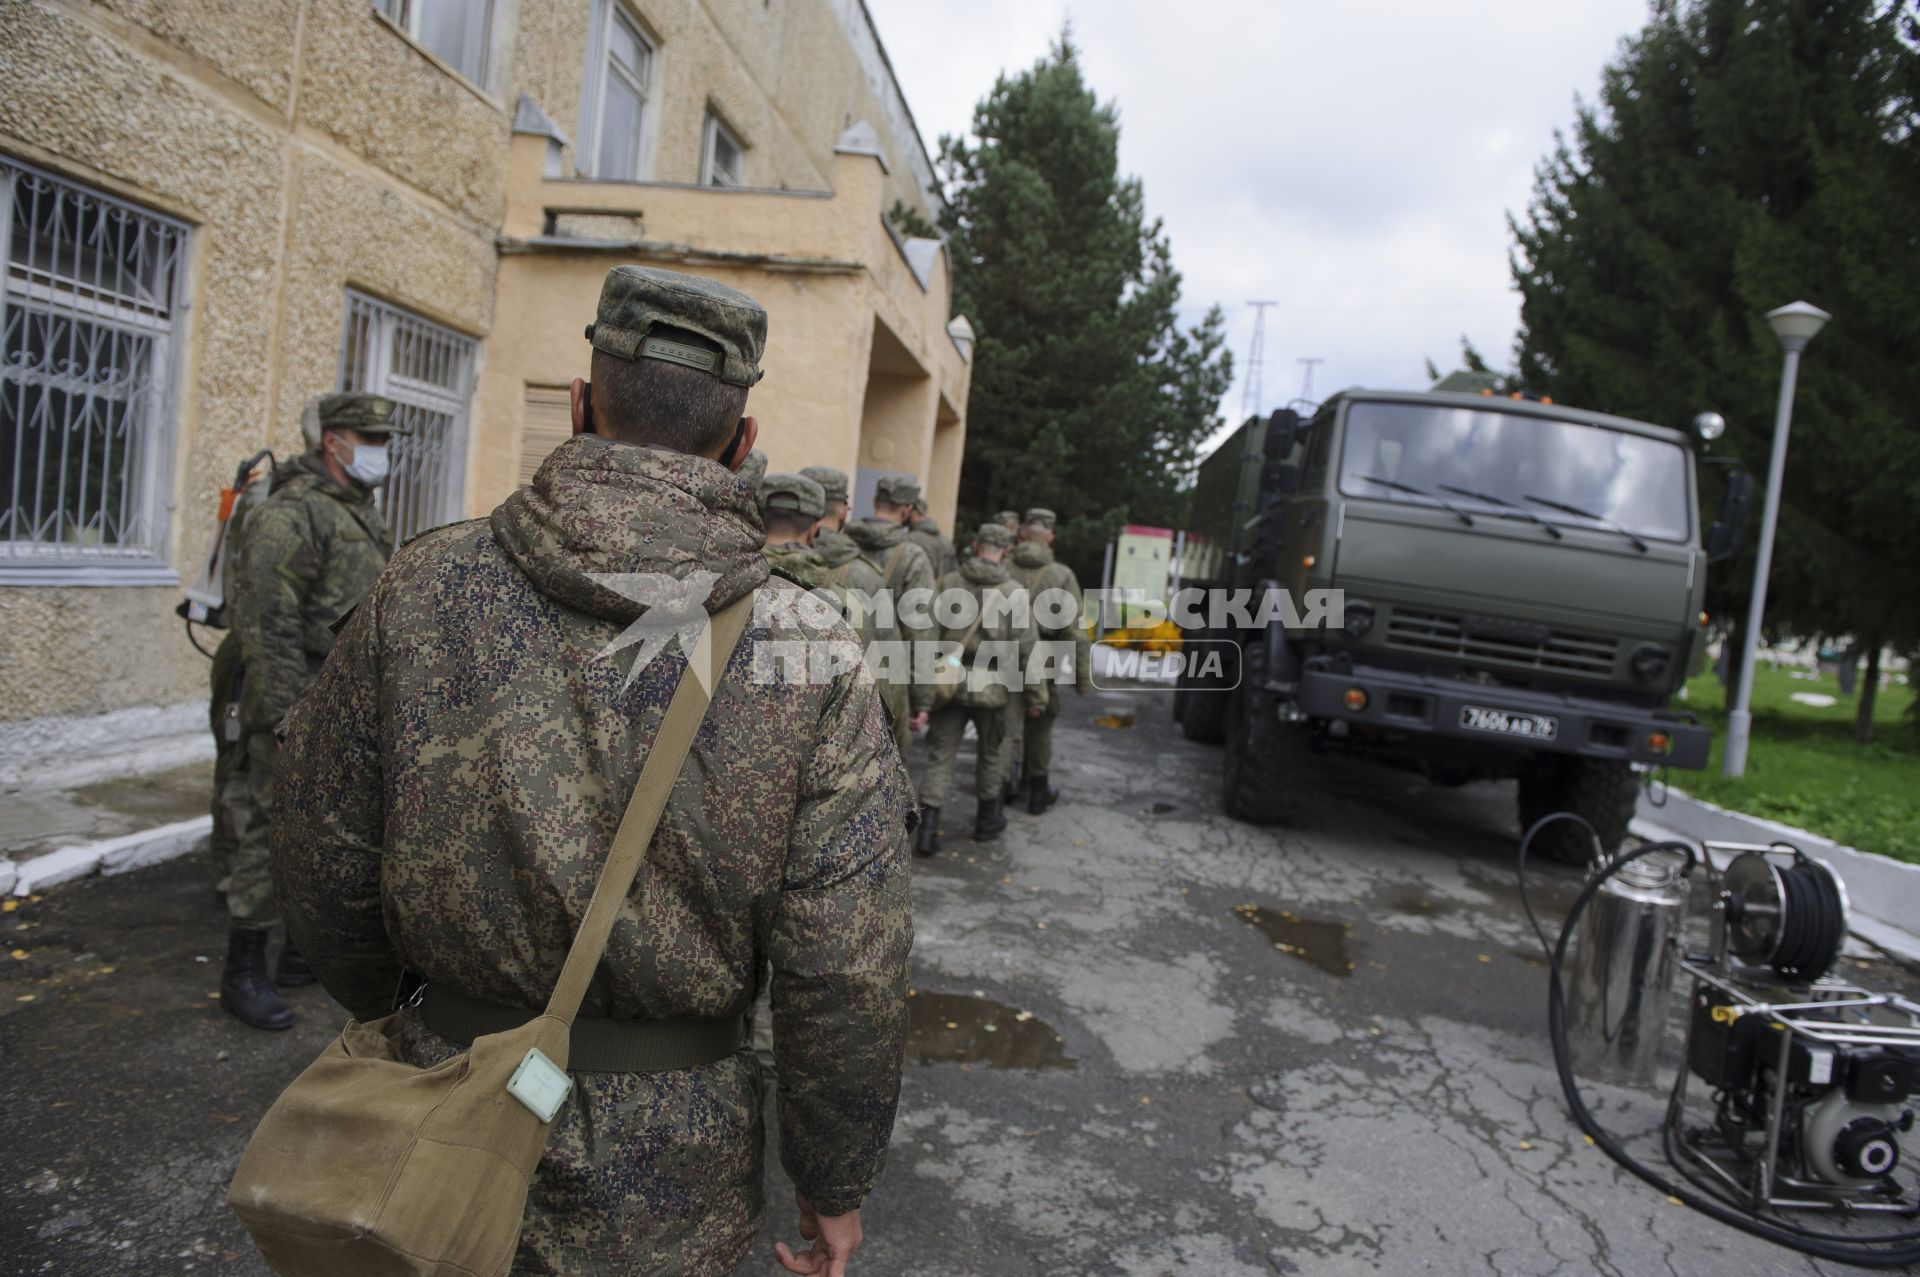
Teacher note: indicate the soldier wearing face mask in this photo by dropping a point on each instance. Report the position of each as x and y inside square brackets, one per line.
[308, 555]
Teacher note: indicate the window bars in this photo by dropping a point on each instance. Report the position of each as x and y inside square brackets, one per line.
[88, 311]
[427, 370]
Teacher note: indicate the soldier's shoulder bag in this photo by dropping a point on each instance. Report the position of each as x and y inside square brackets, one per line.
[369, 1165]
[953, 677]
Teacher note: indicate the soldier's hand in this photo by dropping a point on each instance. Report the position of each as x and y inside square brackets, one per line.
[1035, 711]
[918, 723]
[834, 1238]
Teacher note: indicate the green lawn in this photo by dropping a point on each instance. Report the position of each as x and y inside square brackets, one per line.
[1803, 767]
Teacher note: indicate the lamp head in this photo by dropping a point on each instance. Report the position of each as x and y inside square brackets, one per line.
[1797, 324]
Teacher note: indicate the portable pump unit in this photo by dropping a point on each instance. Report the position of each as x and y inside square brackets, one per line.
[1795, 1091]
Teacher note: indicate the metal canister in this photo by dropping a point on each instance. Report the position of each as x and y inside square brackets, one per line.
[1620, 980]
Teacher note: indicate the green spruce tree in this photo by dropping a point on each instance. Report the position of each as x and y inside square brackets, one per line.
[1088, 396]
[1745, 154]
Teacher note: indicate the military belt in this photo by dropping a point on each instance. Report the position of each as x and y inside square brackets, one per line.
[599, 1045]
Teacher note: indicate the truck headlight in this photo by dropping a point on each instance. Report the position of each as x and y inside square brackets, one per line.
[1359, 618]
[1650, 662]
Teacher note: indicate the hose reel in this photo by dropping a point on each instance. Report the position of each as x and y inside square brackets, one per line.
[1791, 917]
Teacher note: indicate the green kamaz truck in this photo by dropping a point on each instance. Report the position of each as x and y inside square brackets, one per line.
[1512, 589]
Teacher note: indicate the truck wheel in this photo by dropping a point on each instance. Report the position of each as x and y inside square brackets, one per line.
[1204, 716]
[1262, 754]
[1605, 792]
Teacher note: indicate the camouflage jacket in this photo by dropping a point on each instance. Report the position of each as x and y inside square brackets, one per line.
[903, 566]
[1032, 565]
[847, 572]
[452, 782]
[927, 535]
[798, 564]
[979, 578]
[308, 554]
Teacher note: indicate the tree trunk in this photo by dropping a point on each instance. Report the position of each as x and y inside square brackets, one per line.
[1869, 692]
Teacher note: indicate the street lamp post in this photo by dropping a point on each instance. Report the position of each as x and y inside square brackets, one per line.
[1795, 326]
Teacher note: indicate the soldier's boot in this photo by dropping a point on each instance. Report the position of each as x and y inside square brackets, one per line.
[926, 838]
[293, 969]
[991, 820]
[245, 990]
[1012, 791]
[1040, 795]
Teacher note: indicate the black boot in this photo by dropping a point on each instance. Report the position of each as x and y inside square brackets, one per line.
[244, 988]
[926, 839]
[991, 820]
[1040, 795]
[293, 969]
[1012, 792]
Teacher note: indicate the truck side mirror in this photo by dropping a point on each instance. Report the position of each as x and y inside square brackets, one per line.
[1723, 538]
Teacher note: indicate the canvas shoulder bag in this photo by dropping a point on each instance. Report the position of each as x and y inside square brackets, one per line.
[370, 1166]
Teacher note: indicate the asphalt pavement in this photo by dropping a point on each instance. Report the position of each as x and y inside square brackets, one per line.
[1147, 1040]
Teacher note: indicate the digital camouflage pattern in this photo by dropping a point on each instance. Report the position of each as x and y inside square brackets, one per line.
[454, 780]
[1034, 568]
[634, 299]
[926, 534]
[985, 708]
[799, 564]
[852, 577]
[308, 555]
[903, 566]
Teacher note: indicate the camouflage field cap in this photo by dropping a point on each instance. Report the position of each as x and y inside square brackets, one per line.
[994, 534]
[634, 300]
[753, 469]
[920, 506]
[793, 492]
[832, 482]
[1009, 519]
[1040, 515]
[357, 410]
[900, 489]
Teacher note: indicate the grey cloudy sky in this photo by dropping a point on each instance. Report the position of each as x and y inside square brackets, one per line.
[1353, 162]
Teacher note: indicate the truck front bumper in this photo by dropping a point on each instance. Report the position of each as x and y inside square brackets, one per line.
[1505, 717]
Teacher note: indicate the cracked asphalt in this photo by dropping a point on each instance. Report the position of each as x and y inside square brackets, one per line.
[1148, 1040]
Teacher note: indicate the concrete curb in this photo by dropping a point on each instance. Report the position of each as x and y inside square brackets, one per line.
[107, 856]
[1883, 894]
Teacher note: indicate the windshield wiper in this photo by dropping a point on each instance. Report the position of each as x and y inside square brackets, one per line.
[1634, 537]
[1505, 504]
[1419, 492]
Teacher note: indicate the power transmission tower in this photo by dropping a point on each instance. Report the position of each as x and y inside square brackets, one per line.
[1250, 398]
[1306, 381]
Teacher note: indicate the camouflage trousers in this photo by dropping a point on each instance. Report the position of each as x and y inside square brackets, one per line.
[1016, 731]
[944, 730]
[229, 802]
[1037, 759]
[249, 888]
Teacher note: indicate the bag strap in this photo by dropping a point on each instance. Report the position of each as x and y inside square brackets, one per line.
[668, 754]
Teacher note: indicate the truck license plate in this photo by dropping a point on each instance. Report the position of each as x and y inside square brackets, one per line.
[1506, 723]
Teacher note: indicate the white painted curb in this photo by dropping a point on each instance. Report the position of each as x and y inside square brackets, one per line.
[107, 856]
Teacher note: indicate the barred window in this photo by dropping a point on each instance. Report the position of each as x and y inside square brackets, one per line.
[87, 374]
[427, 370]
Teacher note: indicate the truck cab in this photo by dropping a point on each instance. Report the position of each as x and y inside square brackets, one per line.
[1516, 591]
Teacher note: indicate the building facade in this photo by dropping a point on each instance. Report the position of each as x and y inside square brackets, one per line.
[210, 212]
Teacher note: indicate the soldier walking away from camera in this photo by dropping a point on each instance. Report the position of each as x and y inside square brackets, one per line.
[308, 555]
[1033, 566]
[1010, 520]
[979, 699]
[903, 566]
[456, 777]
[856, 580]
[753, 469]
[791, 507]
[926, 532]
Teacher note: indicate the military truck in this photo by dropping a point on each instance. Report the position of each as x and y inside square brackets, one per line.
[1518, 594]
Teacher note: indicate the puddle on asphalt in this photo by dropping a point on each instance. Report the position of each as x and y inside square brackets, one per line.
[958, 1028]
[1160, 809]
[1312, 940]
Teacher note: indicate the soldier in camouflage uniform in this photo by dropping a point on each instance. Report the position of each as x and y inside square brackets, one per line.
[753, 469]
[1010, 520]
[925, 530]
[1033, 566]
[903, 566]
[980, 701]
[309, 554]
[229, 805]
[856, 579]
[791, 507]
[455, 778]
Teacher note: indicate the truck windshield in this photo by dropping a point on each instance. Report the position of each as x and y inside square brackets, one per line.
[1626, 479]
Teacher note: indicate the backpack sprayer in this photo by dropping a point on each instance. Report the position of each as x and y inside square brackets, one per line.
[1809, 1081]
[206, 601]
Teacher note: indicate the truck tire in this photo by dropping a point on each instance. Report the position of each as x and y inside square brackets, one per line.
[1604, 791]
[1257, 780]
[1204, 717]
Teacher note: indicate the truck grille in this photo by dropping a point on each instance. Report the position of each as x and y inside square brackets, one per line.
[1508, 642]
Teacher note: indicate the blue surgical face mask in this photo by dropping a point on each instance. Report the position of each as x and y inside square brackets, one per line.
[368, 465]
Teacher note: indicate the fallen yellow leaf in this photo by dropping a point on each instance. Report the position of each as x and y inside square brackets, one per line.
[1485, 958]
[9, 906]
[1526, 1144]
[19, 954]
[25, 997]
